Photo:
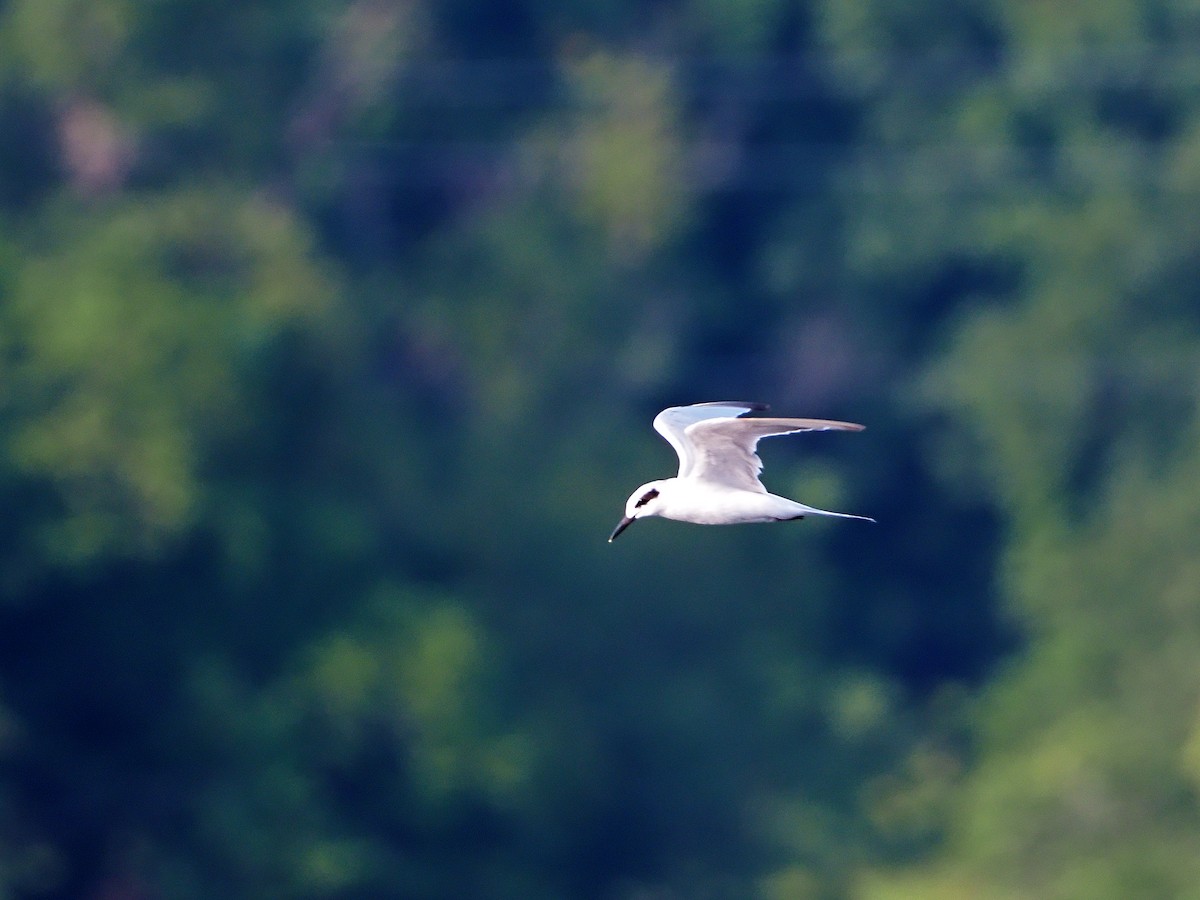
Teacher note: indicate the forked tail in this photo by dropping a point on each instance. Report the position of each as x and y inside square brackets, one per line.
[813, 511]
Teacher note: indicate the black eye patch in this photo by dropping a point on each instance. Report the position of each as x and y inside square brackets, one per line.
[646, 498]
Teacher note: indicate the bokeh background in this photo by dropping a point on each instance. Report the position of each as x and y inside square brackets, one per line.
[330, 336]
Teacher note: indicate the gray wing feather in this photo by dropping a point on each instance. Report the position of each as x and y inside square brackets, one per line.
[673, 424]
[723, 449]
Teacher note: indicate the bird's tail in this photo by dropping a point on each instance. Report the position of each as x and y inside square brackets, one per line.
[813, 511]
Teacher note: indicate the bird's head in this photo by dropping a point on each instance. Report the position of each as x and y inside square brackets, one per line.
[645, 501]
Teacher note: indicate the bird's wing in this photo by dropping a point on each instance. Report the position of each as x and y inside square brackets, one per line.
[673, 424]
[722, 451]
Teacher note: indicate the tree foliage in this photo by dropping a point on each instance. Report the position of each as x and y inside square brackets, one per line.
[330, 334]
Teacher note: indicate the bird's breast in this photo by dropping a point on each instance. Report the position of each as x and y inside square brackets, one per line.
[705, 505]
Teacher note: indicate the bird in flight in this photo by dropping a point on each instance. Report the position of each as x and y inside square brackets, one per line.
[718, 481]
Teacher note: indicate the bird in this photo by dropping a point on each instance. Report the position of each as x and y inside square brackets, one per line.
[718, 480]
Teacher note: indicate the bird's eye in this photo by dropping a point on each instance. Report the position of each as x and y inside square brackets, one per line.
[646, 498]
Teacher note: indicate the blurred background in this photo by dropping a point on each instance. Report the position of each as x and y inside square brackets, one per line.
[330, 337]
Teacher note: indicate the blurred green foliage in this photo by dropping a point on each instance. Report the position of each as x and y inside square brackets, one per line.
[330, 336]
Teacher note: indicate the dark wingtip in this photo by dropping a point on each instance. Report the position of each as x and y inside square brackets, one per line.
[748, 404]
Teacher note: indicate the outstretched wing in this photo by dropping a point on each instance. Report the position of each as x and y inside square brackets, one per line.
[722, 450]
[673, 424]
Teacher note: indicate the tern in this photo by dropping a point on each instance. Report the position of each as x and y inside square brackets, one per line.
[718, 481]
